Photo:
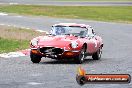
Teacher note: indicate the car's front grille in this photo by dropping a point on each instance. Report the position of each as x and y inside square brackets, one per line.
[51, 50]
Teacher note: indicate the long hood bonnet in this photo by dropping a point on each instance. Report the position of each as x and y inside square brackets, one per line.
[56, 41]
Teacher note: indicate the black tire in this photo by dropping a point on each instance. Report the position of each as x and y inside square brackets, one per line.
[35, 58]
[97, 55]
[80, 58]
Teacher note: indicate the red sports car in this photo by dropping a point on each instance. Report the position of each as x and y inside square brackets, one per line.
[67, 41]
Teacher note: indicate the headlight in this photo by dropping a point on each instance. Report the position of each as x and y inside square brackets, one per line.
[74, 44]
[34, 42]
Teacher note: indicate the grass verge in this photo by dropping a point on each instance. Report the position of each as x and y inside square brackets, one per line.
[99, 13]
[14, 39]
[8, 45]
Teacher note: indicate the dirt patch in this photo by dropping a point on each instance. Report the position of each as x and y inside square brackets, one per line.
[18, 33]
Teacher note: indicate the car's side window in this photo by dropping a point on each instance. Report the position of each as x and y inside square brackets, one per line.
[83, 33]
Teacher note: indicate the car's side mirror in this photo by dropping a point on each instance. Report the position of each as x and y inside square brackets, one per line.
[94, 33]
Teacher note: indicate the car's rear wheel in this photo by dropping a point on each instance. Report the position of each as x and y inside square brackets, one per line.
[80, 58]
[97, 55]
[35, 58]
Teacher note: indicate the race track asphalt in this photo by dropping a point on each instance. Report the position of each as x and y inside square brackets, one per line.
[68, 3]
[20, 72]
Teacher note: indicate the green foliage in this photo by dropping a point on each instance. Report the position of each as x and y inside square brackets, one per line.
[8, 45]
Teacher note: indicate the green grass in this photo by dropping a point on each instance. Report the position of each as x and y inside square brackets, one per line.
[15, 39]
[99, 13]
[8, 45]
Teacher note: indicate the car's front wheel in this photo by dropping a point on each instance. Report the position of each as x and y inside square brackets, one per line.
[97, 55]
[80, 58]
[35, 58]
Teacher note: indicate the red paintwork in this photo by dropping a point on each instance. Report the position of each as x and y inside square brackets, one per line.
[64, 41]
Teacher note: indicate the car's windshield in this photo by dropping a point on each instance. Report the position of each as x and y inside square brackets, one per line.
[66, 30]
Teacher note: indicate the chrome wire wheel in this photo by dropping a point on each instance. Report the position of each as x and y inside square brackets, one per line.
[82, 55]
[100, 53]
[80, 58]
[97, 55]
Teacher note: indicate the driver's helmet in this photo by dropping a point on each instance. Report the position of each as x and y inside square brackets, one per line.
[57, 30]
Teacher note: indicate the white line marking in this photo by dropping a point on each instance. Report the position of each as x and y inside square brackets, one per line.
[16, 54]
[34, 83]
[3, 14]
[13, 3]
[2, 24]
[12, 54]
[42, 31]
[92, 70]
[9, 25]
[28, 28]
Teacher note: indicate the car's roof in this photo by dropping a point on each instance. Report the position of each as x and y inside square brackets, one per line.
[71, 24]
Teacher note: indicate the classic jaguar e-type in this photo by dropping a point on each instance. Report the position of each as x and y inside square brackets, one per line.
[69, 41]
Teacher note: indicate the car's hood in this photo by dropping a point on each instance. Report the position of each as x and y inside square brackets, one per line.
[56, 41]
